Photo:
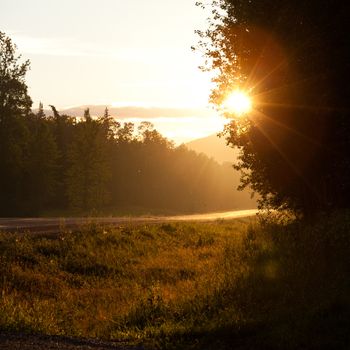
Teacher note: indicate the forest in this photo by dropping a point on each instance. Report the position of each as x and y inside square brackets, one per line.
[97, 165]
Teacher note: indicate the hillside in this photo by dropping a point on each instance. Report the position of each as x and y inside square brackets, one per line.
[215, 147]
[124, 112]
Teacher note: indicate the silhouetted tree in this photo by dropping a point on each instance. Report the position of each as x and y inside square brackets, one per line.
[14, 98]
[293, 57]
[15, 104]
[109, 125]
[88, 172]
[42, 164]
[63, 130]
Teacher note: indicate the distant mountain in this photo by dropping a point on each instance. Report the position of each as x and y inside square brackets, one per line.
[134, 112]
[214, 147]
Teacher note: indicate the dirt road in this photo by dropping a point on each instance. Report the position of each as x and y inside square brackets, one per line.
[55, 225]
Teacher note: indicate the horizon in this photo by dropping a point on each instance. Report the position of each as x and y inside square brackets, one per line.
[179, 125]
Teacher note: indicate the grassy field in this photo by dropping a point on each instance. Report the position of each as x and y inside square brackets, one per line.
[243, 284]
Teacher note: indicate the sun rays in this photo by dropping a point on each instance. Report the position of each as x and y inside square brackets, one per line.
[238, 103]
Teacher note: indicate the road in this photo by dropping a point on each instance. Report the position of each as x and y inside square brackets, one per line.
[54, 225]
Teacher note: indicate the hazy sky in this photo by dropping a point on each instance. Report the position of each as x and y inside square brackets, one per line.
[111, 52]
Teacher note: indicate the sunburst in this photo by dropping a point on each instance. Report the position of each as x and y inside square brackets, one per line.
[238, 103]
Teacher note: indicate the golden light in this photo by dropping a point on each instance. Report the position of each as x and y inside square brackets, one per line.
[238, 102]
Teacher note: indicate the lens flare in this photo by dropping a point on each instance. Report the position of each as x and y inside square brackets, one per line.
[238, 102]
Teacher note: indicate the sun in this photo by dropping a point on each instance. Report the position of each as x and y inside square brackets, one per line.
[238, 102]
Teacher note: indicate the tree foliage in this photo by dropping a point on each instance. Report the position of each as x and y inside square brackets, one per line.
[293, 59]
[88, 169]
[15, 103]
[14, 96]
[41, 177]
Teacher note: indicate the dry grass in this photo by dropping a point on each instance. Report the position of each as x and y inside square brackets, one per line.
[89, 282]
[220, 285]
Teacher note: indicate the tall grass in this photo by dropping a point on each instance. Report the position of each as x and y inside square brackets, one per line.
[243, 284]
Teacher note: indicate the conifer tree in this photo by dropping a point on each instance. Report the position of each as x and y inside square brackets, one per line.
[88, 173]
[42, 165]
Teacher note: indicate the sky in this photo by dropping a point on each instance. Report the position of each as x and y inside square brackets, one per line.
[115, 53]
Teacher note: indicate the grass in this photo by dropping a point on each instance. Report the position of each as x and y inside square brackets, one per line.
[242, 284]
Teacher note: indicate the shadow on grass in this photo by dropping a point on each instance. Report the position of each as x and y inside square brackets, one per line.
[325, 329]
[12, 341]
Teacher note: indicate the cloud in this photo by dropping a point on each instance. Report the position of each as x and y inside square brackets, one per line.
[63, 46]
[45, 46]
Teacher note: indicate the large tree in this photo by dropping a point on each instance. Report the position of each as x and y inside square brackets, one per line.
[293, 58]
[14, 98]
[15, 104]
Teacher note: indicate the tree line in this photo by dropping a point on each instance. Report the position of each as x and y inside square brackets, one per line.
[96, 164]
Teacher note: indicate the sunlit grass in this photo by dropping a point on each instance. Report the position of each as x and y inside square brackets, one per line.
[88, 282]
[198, 285]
